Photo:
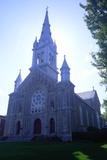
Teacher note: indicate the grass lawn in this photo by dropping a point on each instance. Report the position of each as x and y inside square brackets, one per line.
[81, 150]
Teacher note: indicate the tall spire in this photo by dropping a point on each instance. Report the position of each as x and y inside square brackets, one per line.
[45, 51]
[46, 33]
[18, 81]
[65, 71]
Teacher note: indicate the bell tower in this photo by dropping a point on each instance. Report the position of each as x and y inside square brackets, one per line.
[45, 51]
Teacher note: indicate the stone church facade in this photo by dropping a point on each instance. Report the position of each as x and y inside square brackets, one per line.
[41, 105]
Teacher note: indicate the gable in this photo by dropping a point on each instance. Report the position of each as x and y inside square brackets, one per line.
[91, 98]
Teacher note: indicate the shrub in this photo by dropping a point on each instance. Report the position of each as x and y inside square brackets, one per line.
[92, 129]
[46, 139]
[96, 136]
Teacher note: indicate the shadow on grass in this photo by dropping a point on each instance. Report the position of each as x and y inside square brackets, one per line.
[82, 150]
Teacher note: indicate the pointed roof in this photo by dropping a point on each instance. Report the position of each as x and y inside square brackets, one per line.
[35, 44]
[91, 98]
[46, 33]
[19, 78]
[46, 20]
[18, 81]
[87, 94]
[65, 65]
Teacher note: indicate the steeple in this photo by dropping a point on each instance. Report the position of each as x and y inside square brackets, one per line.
[18, 81]
[45, 51]
[65, 71]
[46, 33]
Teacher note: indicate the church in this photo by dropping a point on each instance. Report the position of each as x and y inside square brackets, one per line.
[43, 106]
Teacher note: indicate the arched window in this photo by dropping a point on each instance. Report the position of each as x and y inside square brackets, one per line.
[87, 117]
[81, 115]
[42, 58]
[52, 125]
[50, 58]
[98, 119]
[92, 119]
[18, 127]
[38, 61]
[52, 103]
[37, 126]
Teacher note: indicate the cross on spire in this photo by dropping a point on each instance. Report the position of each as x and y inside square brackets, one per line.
[47, 8]
[93, 88]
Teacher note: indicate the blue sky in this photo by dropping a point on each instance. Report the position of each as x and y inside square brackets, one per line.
[21, 21]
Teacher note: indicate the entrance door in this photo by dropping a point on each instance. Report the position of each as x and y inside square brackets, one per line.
[37, 126]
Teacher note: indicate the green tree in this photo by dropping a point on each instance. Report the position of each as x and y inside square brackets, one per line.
[96, 20]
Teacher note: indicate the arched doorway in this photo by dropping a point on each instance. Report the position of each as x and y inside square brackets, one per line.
[37, 126]
[52, 125]
[18, 127]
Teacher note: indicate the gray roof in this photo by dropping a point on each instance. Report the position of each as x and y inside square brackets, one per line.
[87, 95]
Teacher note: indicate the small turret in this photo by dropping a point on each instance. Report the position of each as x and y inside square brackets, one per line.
[65, 71]
[18, 81]
[35, 44]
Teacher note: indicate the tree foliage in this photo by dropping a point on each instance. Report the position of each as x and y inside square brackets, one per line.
[96, 20]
